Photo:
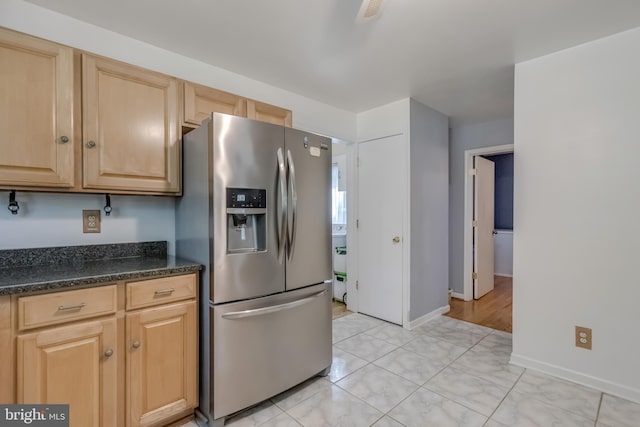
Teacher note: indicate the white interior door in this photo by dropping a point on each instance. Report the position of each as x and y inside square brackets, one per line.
[484, 184]
[380, 207]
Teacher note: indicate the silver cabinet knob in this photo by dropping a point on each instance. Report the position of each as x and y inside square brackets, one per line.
[396, 239]
[64, 139]
[108, 352]
[136, 344]
[91, 144]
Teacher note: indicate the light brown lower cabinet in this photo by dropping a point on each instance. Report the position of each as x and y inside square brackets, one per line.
[161, 362]
[74, 364]
[135, 367]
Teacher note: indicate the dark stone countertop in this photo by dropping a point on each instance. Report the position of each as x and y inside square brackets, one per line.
[81, 272]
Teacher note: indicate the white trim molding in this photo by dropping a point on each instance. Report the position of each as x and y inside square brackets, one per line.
[468, 209]
[600, 384]
[457, 295]
[427, 317]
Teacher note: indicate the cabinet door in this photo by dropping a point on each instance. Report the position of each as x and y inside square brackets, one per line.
[268, 113]
[200, 102]
[130, 128]
[36, 112]
[162, 372]
[75, 365]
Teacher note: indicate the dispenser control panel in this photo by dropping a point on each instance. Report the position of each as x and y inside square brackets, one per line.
[246, 198]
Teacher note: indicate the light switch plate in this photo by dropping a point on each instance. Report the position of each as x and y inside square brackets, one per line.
[91, 221]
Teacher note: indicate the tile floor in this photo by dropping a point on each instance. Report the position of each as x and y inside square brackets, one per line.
[445, 373]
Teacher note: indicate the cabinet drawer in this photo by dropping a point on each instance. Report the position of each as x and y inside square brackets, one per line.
[60, 307]
[160, 291]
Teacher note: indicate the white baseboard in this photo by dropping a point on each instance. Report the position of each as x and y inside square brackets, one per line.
[429, 316]
[457, 295]
[578, 377]
[503, 274]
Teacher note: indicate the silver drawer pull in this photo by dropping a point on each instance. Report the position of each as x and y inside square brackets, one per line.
[108, 352]
[136, 344]
[71, 307]
[164, 292]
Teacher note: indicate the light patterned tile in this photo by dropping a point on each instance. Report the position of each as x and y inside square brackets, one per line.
[378, 387]
[387, 421]
[343, 364]
[366, 347]
[437, 351]
[255, 416]
[334, 407]
[563, 394]
[412, 366]
[352, 325]
[480, 395]
[519, 410]
[297, 394]
[282, 420]
[461, 337]
[467, 326]
[425, 408]
[496, 343]
[494, 423]
[393, 334]
[489, 365]
[618, 412]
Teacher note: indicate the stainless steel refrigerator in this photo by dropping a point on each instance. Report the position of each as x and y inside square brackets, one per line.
[256, 212]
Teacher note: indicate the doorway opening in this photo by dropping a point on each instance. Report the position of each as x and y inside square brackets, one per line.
[339, 226]
[488, 239]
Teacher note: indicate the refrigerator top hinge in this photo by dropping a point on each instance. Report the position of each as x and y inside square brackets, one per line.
[472, 171]
[474, 275]
[357, 284]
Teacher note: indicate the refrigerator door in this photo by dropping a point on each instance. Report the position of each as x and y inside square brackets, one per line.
[246, 156]
[309, 208]
[267, 345]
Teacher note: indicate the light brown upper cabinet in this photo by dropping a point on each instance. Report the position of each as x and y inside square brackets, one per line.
[201, 101]
[36, 112]
[268, 113]
[130, 136]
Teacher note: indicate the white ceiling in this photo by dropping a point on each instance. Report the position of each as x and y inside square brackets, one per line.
[456, 56]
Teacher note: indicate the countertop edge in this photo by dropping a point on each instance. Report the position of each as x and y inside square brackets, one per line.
[99, 280]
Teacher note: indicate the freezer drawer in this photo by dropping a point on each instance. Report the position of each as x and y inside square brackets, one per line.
[265, 346]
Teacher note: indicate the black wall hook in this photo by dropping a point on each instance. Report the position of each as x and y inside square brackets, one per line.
[107, 207]
[13, 205]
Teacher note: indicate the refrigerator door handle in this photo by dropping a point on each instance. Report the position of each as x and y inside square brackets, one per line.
[271, 309]
[294, 203]
[281, 220]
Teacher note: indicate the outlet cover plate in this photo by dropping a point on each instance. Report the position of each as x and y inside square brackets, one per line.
[583, 337]
[90, 221]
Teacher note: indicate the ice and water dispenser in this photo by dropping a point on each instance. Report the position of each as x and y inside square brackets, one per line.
[246, 220]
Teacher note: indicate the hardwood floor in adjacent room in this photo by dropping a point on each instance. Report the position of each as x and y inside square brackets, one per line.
[492, 310]
[339, 309]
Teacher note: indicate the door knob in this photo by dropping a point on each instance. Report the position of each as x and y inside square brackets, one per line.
[108, 352]
[135, 344]
[396, 239]
[91, 144]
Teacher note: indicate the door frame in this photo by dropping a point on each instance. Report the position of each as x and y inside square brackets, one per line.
[468, 211]
[353, 186]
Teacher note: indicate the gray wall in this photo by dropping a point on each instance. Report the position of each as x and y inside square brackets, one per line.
[429, 162]
[503, 201]
[467, 137]
[55, 219]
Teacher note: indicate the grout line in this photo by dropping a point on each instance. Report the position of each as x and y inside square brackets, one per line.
[505, 396]
[595, 423]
